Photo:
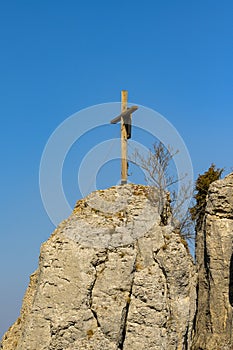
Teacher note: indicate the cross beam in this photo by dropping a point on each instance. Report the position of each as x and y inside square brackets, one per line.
[124, 114]
[126, 120]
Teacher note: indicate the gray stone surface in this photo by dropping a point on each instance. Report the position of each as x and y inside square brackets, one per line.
[109, 277]
[213, 327]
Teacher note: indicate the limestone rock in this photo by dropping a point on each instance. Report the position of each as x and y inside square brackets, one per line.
[213, 326]
[109, 278]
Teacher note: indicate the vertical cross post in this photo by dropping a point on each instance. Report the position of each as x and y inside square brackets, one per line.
[124, 166]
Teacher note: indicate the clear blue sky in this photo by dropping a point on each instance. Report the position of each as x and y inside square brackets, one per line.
[58, 57]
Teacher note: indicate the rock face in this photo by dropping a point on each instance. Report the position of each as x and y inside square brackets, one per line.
[111, 277]
[214, 259]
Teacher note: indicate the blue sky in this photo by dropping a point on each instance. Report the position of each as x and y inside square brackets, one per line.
[58, 57]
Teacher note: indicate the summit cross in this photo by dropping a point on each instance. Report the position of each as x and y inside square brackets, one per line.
[126, 122]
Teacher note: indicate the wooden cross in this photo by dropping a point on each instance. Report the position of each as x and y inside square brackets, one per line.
[126, 120]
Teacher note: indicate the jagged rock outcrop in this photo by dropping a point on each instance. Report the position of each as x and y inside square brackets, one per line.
[214, 260]
[110, 277]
